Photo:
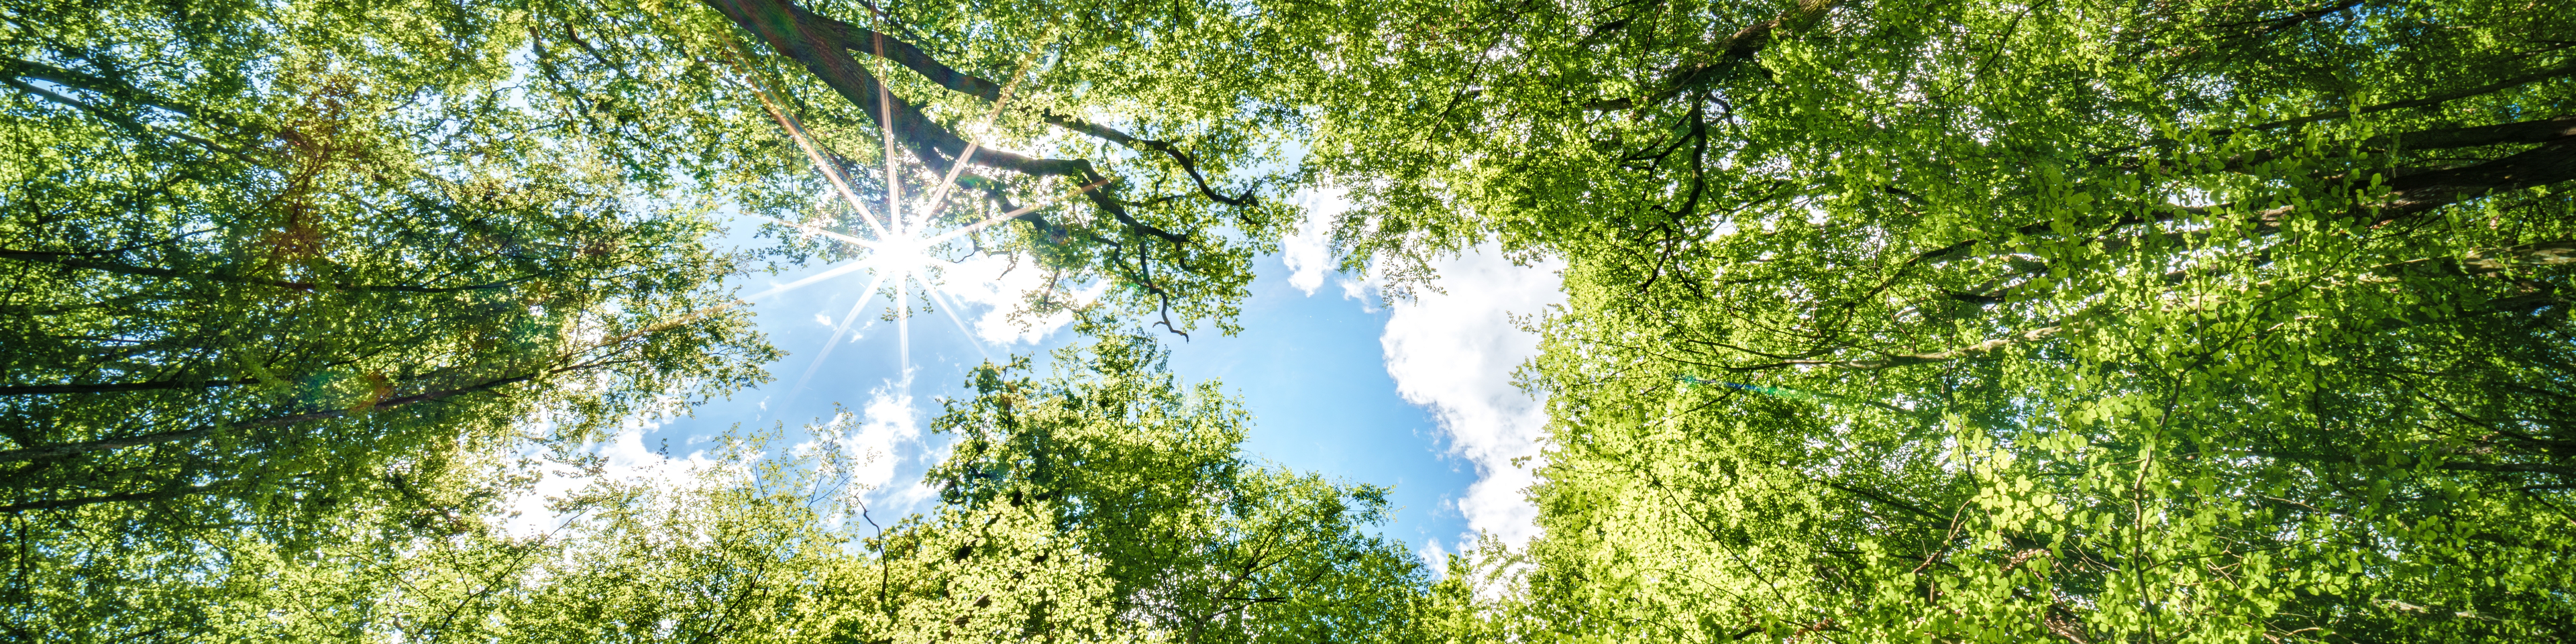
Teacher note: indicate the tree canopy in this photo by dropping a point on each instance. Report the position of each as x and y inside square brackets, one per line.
[1070, 515]
[1999, 322]
[2085, 321]
[264, 276]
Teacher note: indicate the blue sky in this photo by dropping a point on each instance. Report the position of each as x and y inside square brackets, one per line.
[1415, 396]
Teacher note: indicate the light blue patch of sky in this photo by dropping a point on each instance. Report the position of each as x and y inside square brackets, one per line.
[1309, 368]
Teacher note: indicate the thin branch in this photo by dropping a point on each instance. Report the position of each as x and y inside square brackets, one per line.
[20, 390]
[70, 260]
[1733, 51]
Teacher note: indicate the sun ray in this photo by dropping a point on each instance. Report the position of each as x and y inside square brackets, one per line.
[904, 244]
[837, 332]
[939, 195]
[837, 271]
[795, 130]
[903, 335]
[942, 301]
[961, 231]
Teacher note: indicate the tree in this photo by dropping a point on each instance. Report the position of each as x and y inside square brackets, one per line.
[1152, 105]
[266, 276]
[1200, 546]
[273, 262]
[2092, 321]
[1106, 504]
[736, 548]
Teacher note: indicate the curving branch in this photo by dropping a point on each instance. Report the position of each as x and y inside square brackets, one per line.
[826, 48]
[853, 38]
[1188, 164]
[1732, 52]
[112, 387]
[74, 260]
[84, 447]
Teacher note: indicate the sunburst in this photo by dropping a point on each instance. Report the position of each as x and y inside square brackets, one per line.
[903, 244]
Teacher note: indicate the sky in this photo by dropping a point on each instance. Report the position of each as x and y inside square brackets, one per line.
[1415, 395]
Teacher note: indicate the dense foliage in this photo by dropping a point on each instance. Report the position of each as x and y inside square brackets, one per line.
[766, 541]
[2085, 321]
[1200, 544]
[1958, 321]
[283, 276]
[264, 277]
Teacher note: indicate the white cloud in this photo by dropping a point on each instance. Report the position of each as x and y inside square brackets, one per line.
[1437, 556]
[887, 423]
[874, 450]
[1454, 352]
[1357, 290]
[624, 458]
[886, 428]
[991, 282]
[1307, 251]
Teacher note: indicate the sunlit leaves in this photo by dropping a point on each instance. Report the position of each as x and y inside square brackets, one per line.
[2107, 320]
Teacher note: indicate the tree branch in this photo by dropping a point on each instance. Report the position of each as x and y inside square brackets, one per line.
[2409, 193]
[920, 62]
[1736, 49]
[2222, 134]
[1899, 360]
[73, 260]
[2546, 253]
[70, 449]
[823, 45]
[59, 504]
[118, 119]
[19, 390]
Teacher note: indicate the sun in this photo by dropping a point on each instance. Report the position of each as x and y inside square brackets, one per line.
[902, 247]
[903, 256]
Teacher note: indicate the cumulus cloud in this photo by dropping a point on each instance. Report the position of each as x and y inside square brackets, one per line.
[885, 425]
[624, 458]
[872, 443]
[1307, 252]
[1454, 351]
[992, 283]
[873, 440]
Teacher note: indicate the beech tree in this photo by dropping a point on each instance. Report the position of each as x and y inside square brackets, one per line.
[1158, 117]
[1201, 545]
[266, 276]
[1962, 321]
[2086, 321]
[279, 266]
[1105, 503]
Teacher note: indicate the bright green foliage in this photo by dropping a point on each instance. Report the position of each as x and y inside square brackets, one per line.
[273, 269]
[1153, 530]
[284, 274]
[1170, 108]
[736, 551]
[2088, 321]
[1203, 547]
[1962, 321]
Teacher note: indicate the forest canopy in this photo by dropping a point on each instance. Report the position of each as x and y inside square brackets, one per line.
[2086, 321]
